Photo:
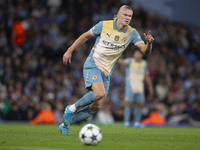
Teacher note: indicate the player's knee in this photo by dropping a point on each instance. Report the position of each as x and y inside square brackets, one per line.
[139, 105]
[127, 104]
[100, 95]
[96, 106]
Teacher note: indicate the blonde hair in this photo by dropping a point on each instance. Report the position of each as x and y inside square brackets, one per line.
[122, 7]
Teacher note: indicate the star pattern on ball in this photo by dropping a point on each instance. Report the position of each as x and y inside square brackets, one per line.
[90, 134]
[83, 136]
[94, 137]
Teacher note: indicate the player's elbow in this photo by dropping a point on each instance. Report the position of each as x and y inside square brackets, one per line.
[145, 49]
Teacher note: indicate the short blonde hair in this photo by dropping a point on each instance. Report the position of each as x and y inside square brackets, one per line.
[122, 7]
[126, 7]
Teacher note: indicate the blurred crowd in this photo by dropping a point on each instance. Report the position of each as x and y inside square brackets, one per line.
[32, 73]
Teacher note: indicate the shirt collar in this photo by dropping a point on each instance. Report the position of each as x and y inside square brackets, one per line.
[115, 27]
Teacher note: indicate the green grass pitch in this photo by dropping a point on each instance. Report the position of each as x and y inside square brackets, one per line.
[43, 137]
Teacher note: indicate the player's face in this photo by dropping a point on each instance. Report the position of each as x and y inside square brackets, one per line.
[137, 55]
[125, 16]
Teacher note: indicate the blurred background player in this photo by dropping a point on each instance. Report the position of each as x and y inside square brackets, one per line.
[113, 37]
[136, 73]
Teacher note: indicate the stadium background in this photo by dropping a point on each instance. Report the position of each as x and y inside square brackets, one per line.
[32, 73]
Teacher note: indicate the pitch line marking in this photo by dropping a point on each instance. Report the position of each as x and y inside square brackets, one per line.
[31, 148]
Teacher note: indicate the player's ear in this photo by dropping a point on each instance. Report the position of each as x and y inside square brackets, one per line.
[115, 17]
[118, 13]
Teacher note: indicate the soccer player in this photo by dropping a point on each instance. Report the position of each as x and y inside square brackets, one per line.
[136, 73]
[112, 38]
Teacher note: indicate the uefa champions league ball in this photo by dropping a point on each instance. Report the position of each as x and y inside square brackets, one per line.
[90, 134]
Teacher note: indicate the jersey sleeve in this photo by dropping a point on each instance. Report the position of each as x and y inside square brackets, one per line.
[136, 38]
[96, 30]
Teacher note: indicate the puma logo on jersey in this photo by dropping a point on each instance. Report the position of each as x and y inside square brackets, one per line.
[108, 35]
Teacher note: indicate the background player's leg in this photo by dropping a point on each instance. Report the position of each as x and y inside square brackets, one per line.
[127, 114]
[129, 97]
[137, 113]
[138, 110]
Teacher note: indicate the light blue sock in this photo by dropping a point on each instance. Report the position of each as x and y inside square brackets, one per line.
[127, 114]
[87, 99]
[81, 115]
[137, 114]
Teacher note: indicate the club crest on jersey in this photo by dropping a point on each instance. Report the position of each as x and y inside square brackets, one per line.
[124, 40]
[94, 77]
[116, 38]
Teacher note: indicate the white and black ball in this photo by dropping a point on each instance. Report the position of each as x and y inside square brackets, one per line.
[90, 134]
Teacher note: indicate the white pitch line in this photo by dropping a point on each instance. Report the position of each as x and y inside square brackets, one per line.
[31, 148]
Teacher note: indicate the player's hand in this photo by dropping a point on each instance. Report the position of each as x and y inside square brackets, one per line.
[67, 57]
[148, 37]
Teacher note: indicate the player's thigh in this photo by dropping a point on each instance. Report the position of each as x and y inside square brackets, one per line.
[129, 95]
[106, 82]
[92, 77]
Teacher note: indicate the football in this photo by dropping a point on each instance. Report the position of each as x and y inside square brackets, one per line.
[90, 134]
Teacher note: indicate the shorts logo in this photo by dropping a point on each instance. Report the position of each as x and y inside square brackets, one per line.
[116, 38]
[94, 77]
[124, 40]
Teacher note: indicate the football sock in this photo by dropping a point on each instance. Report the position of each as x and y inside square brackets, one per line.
[87, 99]
[137, 114]
[72, 108]
[81, 115]
[127, 114]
